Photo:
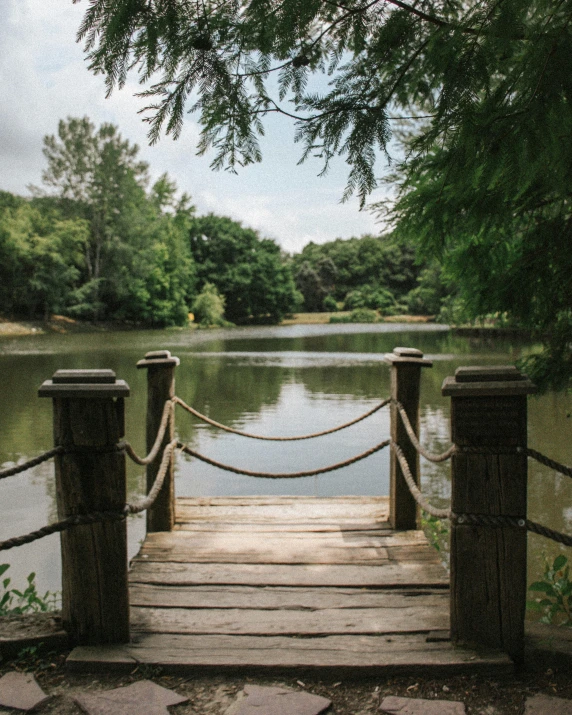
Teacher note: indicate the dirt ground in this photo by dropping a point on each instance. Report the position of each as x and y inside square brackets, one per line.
[212, 695]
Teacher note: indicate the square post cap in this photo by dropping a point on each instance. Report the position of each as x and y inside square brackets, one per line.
[411, 356]
[488, 381]
[84, 383]
[158, 357]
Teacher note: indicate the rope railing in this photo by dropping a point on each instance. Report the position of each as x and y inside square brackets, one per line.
[414, 489]
[491, 520]
[98, 516]
[168, 413]
[209, 421]
[167, 416]
[148, 501]
[284, 475]
[542, 459]
[415, 442]
[19, 468]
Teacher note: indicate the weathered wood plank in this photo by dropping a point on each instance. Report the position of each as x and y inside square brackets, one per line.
[281, 527]
[276, 598]
[223, 539]
[249, 501]
[405, 574]
[407, 619]
[407, 653]
[308, 511]
[413, 552]
[289, 554]
[271, 551]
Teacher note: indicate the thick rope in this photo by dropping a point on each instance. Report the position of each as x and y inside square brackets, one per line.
[549, 462]
[11, 471]
[490, 520]
[168, 411]
[157, 484]
[291, 475]
[415, 442]
[98, 516]
[71, 521]
[414, 489]
[208, 420]
[496, 520]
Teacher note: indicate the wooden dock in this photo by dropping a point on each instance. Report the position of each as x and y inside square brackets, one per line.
[281, 583]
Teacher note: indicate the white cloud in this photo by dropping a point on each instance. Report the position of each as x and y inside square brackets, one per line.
[44, 78]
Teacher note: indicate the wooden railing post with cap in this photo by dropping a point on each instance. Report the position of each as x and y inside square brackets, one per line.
[160, 388]
[488, 477]
[406, 364]
[88, 411]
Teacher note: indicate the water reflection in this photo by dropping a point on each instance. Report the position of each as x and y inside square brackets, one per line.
[273, 381]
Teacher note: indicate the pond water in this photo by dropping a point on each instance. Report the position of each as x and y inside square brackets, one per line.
[268, 380]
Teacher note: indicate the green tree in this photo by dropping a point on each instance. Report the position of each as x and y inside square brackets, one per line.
[376, 264]
[310, 285]
[40, 258]
[248, 270]
[100, 173]
[485, 185]
[137, 265]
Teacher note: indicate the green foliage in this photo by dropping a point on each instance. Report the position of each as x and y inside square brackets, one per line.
[248, 270]
[359, 315]
[475, 96]
[373, 272]
[309, 284]
[103, 247]
[13, 601]
[437, 532]
[40, 258]
[428, 295]
[208, 307]
[136, 264]
[556, 590]
[330, 304]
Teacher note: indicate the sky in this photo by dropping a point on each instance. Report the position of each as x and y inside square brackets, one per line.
[44, 78]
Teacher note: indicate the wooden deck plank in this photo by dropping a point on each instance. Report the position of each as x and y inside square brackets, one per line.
[407, 618]
[338, 539]
[328, 548]
[277, 598]
[309, 511]
[281, 527]
[409, 654]
[391, 575]
[265, 499]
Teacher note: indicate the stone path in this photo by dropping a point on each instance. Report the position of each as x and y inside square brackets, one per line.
[141, 697]
[20, 691]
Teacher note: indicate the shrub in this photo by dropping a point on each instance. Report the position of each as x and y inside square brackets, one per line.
[208, 306]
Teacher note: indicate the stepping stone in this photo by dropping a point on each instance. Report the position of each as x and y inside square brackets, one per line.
[141, 697]
[416, 706]
[258, 700]
[21, 691]
[542, 704]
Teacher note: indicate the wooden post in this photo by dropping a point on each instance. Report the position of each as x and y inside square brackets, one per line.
[489, 477]
[90, 476]
[406, 364]
[160, 388]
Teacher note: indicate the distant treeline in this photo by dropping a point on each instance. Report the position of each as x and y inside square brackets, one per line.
[376, 272]
[107, 245]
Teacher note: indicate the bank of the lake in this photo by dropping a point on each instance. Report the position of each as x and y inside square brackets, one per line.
[269, 380]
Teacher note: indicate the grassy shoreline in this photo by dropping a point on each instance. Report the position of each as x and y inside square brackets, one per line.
[62, 324]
